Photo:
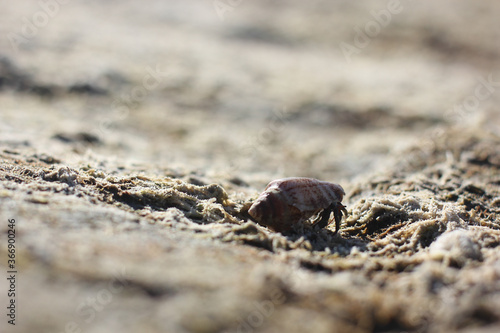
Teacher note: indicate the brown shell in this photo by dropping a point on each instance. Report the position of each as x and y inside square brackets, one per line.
[289, 201]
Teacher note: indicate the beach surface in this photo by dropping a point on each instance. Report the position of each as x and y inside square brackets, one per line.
[134, 137]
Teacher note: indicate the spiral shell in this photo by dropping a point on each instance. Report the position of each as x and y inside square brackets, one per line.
[289, 201]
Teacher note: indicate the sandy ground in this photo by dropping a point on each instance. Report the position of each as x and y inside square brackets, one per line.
[133, 136]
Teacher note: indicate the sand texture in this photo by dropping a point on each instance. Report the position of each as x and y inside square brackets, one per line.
[134, 137]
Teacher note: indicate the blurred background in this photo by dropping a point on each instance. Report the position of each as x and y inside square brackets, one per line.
[258, 89]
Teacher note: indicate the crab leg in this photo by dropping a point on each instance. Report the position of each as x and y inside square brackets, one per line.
[324, 218]
[337, 212]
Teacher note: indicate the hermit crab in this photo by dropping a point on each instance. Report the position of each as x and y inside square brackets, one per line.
[289, 201]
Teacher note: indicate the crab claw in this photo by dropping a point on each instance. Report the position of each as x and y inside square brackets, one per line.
[323, 219]
[338, 211]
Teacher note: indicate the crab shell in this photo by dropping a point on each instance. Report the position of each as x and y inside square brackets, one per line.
[288, 201]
